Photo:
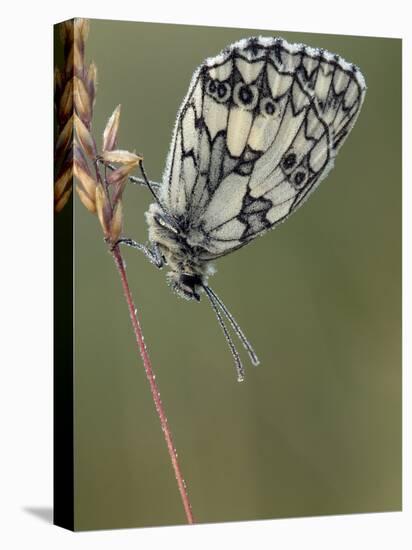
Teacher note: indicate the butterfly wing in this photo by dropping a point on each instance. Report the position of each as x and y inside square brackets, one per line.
[258, 130]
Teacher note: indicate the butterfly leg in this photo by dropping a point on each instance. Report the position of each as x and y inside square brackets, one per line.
[137, 181]
[140, 181]
[153, 254]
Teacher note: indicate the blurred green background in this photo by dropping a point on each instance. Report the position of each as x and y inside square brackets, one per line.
[314, 430]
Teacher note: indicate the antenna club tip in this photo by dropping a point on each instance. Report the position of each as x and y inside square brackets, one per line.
[240, 378]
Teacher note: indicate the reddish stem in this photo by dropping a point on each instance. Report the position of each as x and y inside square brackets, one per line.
[153, 386]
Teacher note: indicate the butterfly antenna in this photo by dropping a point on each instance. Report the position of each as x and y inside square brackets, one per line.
[246, 344]
[150, 186]
[236, 357]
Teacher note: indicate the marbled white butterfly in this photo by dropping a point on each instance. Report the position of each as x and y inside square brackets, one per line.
[258, 130]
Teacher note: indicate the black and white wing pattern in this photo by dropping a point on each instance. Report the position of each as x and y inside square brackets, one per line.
[258, 130]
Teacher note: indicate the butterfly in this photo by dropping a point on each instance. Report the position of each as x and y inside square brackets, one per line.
[257, 132]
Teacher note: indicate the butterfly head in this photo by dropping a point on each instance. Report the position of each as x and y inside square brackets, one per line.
[185, 285]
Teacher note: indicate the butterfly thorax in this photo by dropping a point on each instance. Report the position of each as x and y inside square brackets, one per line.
[177, 243]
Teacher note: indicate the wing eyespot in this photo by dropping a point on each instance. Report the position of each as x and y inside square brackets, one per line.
[299, 179]
[289, 161]
[220, 91]
[245, 96]
[211, 87]
[267, 107]
[223, 91]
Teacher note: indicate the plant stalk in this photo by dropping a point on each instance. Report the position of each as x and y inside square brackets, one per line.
[153, 386]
